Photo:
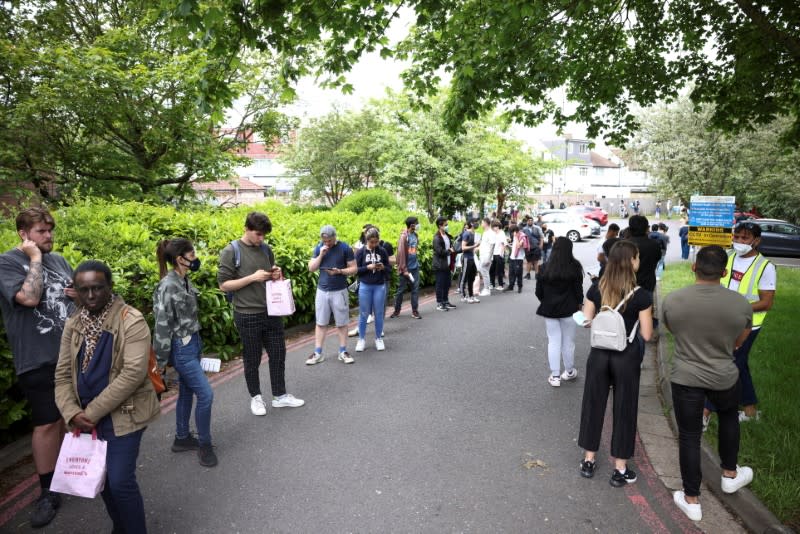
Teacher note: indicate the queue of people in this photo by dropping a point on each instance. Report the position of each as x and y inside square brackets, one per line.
[89, 369]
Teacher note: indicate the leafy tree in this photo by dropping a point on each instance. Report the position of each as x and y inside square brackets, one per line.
[103, 97]
[334, 155]
[687, 156]
[743, 55]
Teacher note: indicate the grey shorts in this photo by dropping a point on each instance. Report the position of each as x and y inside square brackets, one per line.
[335, 302]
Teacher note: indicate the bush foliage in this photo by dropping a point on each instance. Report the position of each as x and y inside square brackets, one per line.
[368, 199]
[125, 234]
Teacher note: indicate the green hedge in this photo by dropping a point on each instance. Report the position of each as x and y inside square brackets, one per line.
[124, 235]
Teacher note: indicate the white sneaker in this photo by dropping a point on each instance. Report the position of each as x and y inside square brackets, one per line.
[706, 421]
[475, 300]
[554, 381]
[485, 293]
[360, 344]
[572, 374]
[744, 418]
[464, 299]
[315, 359]
[692, 511]
[744, 476]
[345, 357]
[287, 400]
[353, 332]
[379, 344]
[257, 406]
[370, 319]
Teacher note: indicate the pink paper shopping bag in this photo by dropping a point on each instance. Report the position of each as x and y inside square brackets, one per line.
[280, 301]
[81, 466]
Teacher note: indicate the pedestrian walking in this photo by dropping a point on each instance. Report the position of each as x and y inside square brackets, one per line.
[683, 233]
[372, 262]
[468, 268]
[658, 210]
[408, 268]
[708, 323]
[533, 254]
[102, 385]
[607, 369]
[37, 298]
[559, 288]
[754, 277]
[549, 239]
[245, 265]
[516, 259]
[442, 250]
[612, 236]
[176, 340]
[335, 261]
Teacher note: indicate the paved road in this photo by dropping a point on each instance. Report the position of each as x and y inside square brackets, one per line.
[429, 436]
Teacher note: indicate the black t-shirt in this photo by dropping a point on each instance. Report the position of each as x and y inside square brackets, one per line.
[641, 300]
[649, 256]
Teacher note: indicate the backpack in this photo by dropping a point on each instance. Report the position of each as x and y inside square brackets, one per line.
[608, 328]
[237, 261]
[457, 243]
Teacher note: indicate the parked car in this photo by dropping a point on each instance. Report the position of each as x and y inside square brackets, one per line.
[594, 226]
[569, 225]
[590, 212]
[778, 238]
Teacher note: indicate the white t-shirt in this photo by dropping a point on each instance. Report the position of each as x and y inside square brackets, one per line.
[520, 252]
[499, 243]
[486, 245]
[740, 265]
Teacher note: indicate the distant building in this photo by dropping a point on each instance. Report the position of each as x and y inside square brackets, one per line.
[264, 167]
[231, 193]
[589, 172]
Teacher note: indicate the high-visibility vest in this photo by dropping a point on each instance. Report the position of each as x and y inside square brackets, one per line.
[748, 285]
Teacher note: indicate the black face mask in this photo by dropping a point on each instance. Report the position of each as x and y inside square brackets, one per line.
[194, 265]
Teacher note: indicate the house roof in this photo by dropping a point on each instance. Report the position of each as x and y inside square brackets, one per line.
[600, 161]
[225, 185]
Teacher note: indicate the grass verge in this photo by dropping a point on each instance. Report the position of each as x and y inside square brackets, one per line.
[771, 446]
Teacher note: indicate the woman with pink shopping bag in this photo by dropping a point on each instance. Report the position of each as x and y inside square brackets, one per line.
[102, 385]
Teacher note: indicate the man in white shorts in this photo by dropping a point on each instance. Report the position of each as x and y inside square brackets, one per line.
[335, 261]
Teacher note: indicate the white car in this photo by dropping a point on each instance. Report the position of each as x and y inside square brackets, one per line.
[562, 223]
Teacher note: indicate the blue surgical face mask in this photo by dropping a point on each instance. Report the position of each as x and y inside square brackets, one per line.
[446, 226]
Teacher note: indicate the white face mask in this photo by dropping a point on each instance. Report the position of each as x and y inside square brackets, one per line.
[742, 249]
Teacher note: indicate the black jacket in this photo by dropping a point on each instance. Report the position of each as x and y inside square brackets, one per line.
[559, 298]
[441, 254]
[649, 256]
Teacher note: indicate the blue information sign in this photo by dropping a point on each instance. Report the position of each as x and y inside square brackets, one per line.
[712, 211]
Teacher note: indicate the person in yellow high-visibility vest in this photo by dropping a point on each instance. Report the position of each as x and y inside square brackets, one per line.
[753, 276]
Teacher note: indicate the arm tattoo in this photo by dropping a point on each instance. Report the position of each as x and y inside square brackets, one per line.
[32, 286]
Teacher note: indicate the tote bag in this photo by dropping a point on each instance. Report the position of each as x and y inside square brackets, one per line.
[280, 301]
[81, 466]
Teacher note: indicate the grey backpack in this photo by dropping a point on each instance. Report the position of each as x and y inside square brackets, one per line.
[608, 327]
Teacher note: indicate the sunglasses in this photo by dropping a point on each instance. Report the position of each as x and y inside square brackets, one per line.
[746, 226]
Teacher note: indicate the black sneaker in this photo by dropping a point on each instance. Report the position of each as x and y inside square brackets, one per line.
[189, 443]
[587, 468]
[415, 315]
[395, 314]
[528, 276]
[508, 288]
[450, 306]
[207, 456]
[45, 508]
[441, 307]
[618, 479]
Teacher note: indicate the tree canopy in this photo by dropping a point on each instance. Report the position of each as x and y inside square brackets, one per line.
[686, 156]
[106, 97]
[742, 55]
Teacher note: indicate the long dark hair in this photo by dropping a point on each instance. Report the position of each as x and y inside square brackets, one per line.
[168, 251]
[561, 265]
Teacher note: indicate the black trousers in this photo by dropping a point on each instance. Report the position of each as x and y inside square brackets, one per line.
[259, 331]
[497, 270]
[468, 271]
[442, 282]
[515, 268]
[688, 404]
[606, 368]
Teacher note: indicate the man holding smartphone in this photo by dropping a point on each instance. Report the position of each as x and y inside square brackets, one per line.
[36, 290]
[335, 261]
[259, 331]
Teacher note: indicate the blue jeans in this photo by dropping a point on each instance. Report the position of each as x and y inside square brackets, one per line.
[684, 249]
[121, 494]
[401, 288]
[193, 381]
[371, 300]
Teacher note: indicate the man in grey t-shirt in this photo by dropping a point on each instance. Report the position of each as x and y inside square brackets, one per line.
[259, 331]
[708, 322]
[36, 291]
